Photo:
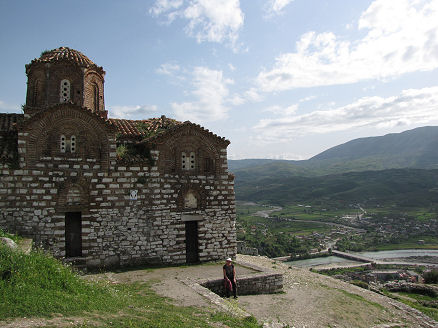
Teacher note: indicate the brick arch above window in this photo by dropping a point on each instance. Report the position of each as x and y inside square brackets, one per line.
[189, 154]
[88, 132]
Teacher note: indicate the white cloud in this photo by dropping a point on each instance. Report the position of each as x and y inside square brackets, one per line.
[410, 107]
[133, 112]
[252, 95]
[8, 108]
[305, 99]
[401, 37]
[168, 69]
[210, 90]
[276, 6]
[283, 111]
[208, 20]
[162, 6]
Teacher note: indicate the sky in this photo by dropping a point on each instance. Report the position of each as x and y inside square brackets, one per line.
[281, 79]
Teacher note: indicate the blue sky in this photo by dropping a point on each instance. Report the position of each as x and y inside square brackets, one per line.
[278, 78]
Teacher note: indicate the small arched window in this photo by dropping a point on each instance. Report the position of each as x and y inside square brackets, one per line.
[36, 91]
[64, 91]
[67, 145]
[62, 143]
[188, 161]
[96, 97]
[73, 144]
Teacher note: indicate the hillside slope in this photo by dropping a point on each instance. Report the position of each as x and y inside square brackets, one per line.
[417, 148]
[413, 148]
[404, 187]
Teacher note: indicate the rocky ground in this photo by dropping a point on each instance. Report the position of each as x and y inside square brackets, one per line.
[313, 300]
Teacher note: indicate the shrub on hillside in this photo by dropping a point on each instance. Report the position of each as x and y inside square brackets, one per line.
[431, 277]
[360, 283]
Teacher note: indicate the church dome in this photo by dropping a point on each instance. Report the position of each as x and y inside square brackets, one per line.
[64, 54]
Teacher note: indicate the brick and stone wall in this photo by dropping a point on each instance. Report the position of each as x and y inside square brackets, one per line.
[117, 230]
[262, 283]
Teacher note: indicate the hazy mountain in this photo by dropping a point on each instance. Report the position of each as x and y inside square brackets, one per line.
[396, 168]
[417, 148]
[412, 148]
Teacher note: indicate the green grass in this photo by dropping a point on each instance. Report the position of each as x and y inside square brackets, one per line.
[429, 311]
[11, 236]
[419, 297]
[37, 285]
[295, 227]
[430, 242]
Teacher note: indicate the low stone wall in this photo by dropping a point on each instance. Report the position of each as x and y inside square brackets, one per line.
[412, 288]
[264, 283]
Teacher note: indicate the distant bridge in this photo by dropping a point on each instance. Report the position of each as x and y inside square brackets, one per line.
[354, 257]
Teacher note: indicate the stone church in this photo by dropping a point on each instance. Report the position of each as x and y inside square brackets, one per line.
[101, 191]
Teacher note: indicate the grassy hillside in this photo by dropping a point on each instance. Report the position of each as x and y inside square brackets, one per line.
[404, 187]
[39, 286]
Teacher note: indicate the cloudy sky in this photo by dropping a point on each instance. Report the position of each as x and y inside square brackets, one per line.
[278, 78]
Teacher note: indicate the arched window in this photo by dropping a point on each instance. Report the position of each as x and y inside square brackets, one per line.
[36, 92]
[188, 161]
[64, 91]
[208, 165]
[62, 144]
[67, 145]
[96, 97]
[73, 144]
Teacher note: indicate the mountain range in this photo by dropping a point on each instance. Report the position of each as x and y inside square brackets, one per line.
[398, 168]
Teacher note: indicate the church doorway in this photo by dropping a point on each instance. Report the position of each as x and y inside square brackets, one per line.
[192, 253]
[73, 234]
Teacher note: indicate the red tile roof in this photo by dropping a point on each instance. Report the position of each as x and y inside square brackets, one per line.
[64, 54]
[143, 128]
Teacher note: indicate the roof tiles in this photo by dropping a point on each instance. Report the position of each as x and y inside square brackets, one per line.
[64, 54]
[143, 128]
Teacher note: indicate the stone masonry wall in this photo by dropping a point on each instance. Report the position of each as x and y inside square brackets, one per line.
[263, 283]
[115, 229]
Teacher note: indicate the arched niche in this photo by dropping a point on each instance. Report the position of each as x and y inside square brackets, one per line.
[191, 198]
[73, 196]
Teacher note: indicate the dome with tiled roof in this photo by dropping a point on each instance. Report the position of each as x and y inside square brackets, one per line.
[64, 54]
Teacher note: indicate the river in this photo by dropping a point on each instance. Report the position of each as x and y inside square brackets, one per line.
[393, 255]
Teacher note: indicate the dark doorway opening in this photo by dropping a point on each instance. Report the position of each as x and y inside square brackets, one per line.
[192, 254]
[73, 234]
